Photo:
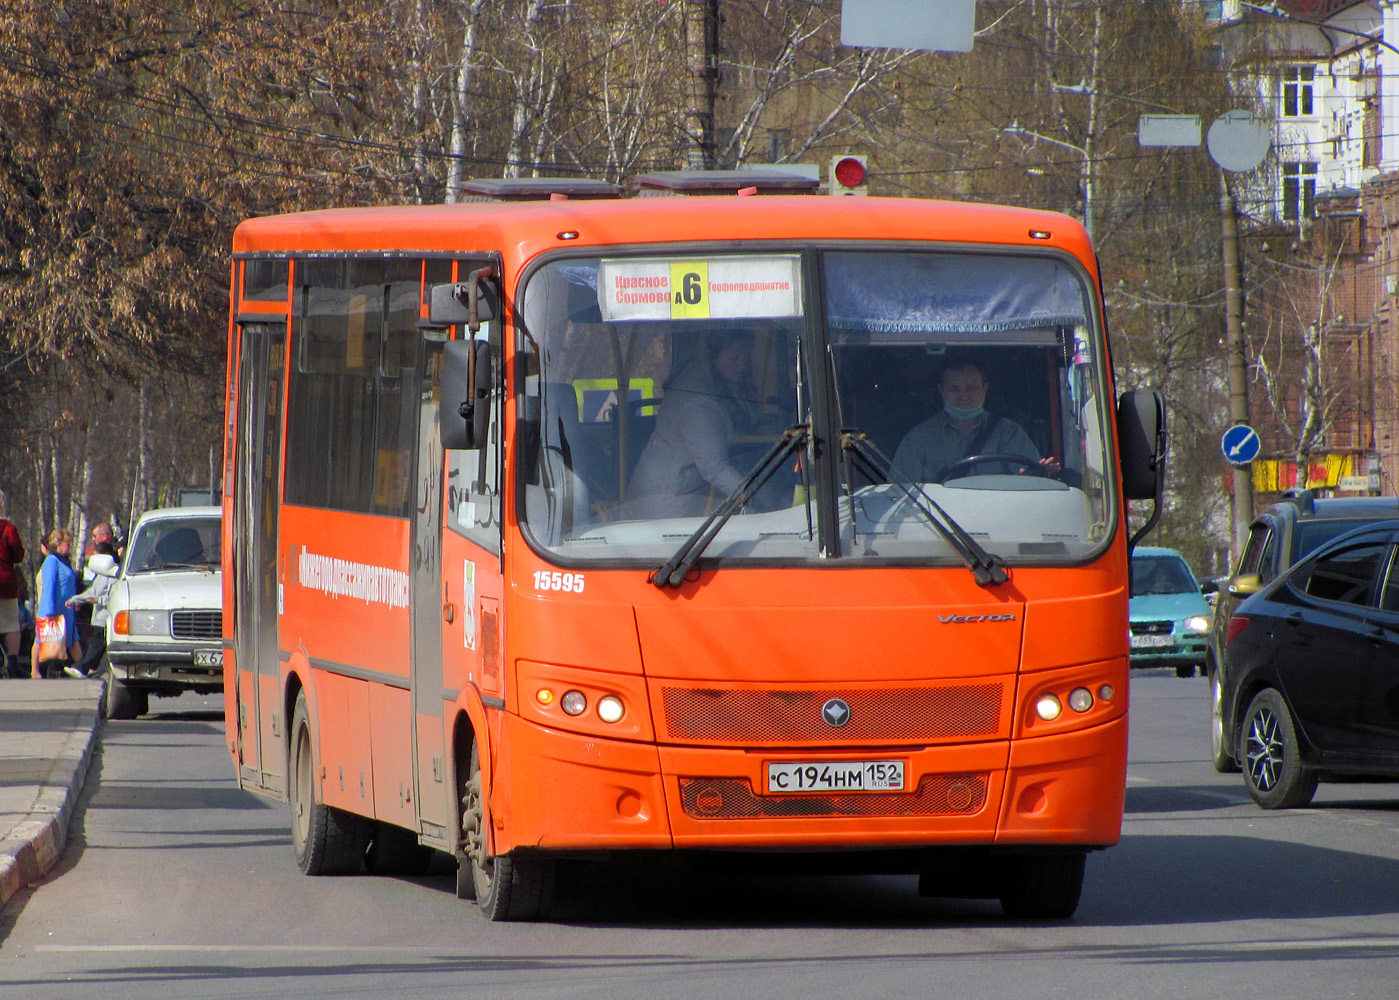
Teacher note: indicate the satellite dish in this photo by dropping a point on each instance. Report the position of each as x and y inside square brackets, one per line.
[1238, 141]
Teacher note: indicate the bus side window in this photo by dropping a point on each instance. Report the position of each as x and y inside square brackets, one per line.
[474, 476]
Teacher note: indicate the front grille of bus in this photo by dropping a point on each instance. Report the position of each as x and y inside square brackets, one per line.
[733, 798]
[730, 716]
[1150, 628]
[196, 624]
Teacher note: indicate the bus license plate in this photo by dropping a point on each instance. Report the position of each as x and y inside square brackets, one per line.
[208, 657]
[1151, 641]
[836, 776]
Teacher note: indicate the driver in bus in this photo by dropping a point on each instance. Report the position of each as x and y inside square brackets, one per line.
[686, 468]
[964, 429]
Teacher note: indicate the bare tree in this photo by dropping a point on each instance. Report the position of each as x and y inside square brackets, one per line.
[1304, 357]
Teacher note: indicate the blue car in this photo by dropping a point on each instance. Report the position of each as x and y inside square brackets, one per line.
[1168, 617]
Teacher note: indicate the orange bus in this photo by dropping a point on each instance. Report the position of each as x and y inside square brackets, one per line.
[561, 524]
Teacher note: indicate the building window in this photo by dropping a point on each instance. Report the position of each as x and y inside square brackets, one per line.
[1297, 91]
[1298, 191]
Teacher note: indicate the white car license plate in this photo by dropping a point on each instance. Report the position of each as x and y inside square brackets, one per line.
[836, 776]
[1140, 641]
[208, 657]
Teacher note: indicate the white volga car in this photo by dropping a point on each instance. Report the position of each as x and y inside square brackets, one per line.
[165, 610]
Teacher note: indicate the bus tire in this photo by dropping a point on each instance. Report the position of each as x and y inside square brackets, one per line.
[1220, 757]
[507, 886]
[1042, 886]
[394, 850]
[324, 840]
[466, 880]
[1270, 755]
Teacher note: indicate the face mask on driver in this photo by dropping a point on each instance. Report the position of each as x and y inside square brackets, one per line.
[963, 412]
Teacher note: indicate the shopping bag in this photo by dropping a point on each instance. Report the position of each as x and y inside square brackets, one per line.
[49, 633]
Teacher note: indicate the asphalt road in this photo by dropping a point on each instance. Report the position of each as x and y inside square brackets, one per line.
[179, 885]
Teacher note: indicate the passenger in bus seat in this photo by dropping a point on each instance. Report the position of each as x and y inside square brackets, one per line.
[963, 428]
[705, 407]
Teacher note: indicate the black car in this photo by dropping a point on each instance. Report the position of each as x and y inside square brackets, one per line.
[1277, 538]
[1309, 680]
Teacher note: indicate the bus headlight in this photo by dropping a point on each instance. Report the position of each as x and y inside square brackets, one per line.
[1048, 707]
[609, 708]
[1080, 699]
[573, 703]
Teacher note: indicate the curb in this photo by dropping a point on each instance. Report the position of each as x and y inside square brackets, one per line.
[37, 843]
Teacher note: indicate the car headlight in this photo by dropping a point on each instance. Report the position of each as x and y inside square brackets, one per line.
[1197, 624]
[144, 622]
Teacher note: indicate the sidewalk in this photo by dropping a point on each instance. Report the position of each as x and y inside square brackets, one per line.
[48, 730]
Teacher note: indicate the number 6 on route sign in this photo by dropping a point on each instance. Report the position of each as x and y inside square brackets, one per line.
[1240, 444]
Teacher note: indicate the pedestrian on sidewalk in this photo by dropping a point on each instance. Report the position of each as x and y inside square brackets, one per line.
[11, 556]
[57, 583]
[88, 627]
[102, 566]
[34, 611]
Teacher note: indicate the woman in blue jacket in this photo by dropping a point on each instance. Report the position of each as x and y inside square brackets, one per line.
[57, 583]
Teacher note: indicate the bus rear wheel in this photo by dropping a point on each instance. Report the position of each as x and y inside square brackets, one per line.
[325, 840]
[1042, 886]
[508, 886]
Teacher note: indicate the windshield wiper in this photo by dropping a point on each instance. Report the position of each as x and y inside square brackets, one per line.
[678, 566]
[988, 570]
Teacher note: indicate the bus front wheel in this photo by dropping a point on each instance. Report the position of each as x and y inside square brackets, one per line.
[1042, 886]
[508, 886]
[325, 840]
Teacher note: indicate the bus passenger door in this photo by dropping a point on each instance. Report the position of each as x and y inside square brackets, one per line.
[428, 609]
[261, 377]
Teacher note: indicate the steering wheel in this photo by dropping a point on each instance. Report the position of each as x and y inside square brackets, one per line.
[1024, 465]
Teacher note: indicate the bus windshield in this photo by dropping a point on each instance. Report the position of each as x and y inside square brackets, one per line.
[966, 400]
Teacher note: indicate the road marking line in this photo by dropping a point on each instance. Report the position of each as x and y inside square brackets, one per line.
[78, 948]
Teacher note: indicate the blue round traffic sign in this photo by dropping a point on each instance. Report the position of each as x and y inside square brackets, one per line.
[1240, 444]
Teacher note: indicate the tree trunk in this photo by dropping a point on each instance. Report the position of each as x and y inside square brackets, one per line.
[138, 485]
[461, 98]
[81, 502]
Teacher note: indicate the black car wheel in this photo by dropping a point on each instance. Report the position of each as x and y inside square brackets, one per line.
[1272, 762]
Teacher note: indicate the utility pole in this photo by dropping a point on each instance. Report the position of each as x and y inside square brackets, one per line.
[702, 48]
[1238, 359]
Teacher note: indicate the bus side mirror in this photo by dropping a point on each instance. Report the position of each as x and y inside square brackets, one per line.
[1141, 437]
[468, 375]
[452, 304]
